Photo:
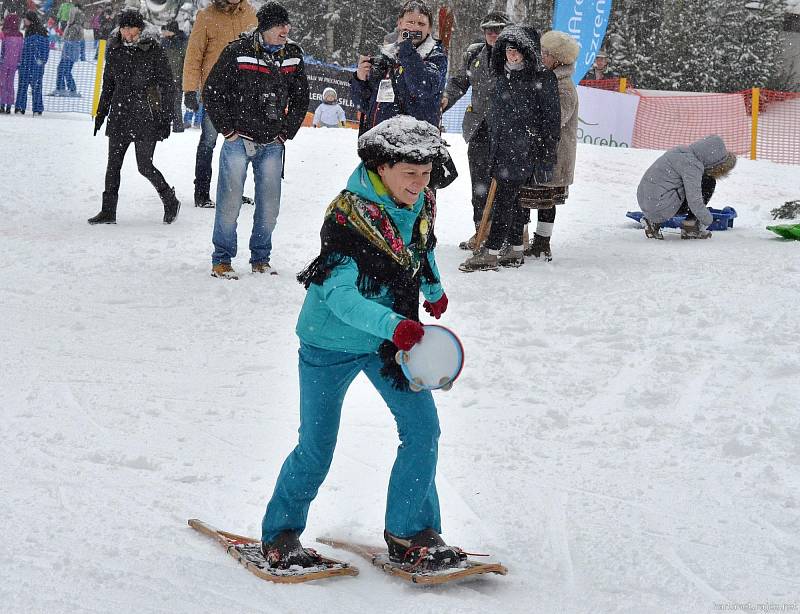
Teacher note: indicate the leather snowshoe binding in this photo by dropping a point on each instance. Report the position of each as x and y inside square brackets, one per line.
[423, 552]
[286, 551]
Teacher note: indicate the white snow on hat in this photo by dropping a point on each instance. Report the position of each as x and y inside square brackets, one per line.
[402, 139]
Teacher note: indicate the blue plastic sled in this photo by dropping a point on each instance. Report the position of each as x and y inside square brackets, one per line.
[723, 218]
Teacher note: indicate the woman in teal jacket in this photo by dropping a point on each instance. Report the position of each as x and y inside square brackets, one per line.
[362, 304]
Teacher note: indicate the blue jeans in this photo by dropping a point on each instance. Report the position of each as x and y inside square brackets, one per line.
[64, 80]
[205, 154]
[412, 502]
[267, 164]
[197, 117]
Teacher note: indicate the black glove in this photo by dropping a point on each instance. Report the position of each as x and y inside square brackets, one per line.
[542, 173]
[190, 100]
[98, 123]
[281, 138]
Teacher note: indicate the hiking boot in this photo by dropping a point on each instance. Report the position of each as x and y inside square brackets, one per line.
[171, 205]
[204, 201]
[691, 229]
[286, 551]
[424, 551]
[511, 256]
[480, 261]
[223, 270]
[263, 267]
[652, 230]
[540, 248]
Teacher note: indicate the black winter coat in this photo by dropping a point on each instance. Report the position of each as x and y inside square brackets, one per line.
[524, 115]
[138, 90]
[257, 94]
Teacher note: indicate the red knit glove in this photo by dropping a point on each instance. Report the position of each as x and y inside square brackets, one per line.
[407, 333]
[438, 308]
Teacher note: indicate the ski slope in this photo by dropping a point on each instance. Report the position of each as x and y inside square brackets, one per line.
[624, 437]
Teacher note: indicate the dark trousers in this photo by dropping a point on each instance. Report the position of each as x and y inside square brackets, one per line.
[205, 154]
[144, 161]
[544, 215]
[30, 78]
[479, 170]
[508, 218]
[177, 119]
[707, 187]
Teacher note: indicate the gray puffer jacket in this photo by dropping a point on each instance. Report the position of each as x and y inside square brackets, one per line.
[677, 177]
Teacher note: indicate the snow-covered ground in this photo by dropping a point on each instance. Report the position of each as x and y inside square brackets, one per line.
[625, 436]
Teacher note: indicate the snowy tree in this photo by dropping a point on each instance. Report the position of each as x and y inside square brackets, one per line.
[753, 47]
[696, 45]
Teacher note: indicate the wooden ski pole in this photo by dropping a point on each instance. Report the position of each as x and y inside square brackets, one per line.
[483, 229]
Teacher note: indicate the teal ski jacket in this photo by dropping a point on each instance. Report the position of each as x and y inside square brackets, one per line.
[335, 315]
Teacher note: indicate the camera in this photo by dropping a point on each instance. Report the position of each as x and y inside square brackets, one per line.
[270, 102]
[411, 34]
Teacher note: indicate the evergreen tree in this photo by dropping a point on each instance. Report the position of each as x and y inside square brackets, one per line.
[752, 48]
[696, 45]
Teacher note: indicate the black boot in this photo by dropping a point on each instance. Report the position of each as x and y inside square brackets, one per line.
[424, 551]
[286, 550]
[108, 213]
[540, 248]
[171, 205]
[204, 201]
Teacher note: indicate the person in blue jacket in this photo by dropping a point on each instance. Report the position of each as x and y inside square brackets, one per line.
[362, 303]
[407, 77]
[35, 52]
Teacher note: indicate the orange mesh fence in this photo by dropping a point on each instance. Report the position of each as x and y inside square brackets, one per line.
[612, 85]
[779, 127]
[664, 120]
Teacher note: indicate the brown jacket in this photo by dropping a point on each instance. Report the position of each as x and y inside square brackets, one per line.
[564, 171]
[213, 30]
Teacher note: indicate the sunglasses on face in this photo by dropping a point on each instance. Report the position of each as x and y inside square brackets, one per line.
[492, 30]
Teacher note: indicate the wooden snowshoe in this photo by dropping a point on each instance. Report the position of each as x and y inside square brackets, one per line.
[247, 550]
[378, 556]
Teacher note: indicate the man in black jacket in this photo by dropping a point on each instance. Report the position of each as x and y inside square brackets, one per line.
[137, 100]
[476, 72]
[256, 96]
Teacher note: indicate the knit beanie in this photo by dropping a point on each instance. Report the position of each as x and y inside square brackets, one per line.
[131, 18]
[270, 15]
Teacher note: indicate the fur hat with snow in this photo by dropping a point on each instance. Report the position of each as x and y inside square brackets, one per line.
[561, 46]
[401, 139]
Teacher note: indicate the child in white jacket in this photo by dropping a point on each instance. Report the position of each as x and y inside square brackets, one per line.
[330, 113]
